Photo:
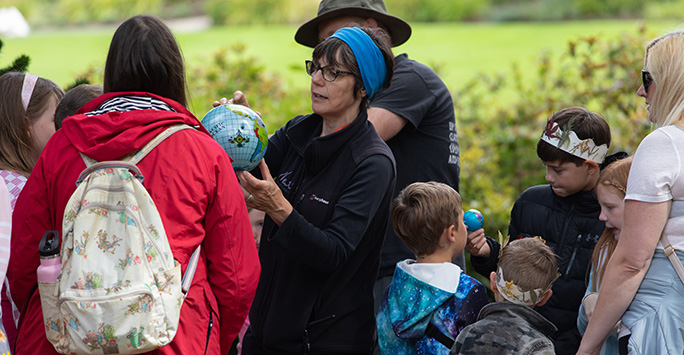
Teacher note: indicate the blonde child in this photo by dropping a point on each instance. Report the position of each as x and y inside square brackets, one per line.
[525, 273]
[429, 299]
[610, 192]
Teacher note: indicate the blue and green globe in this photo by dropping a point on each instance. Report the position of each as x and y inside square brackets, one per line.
[241, 133]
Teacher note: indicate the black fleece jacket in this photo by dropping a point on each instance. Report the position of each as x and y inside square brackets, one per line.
[315, 294]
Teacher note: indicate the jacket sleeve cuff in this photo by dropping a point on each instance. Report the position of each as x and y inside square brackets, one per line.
[484, 266]
[293, 222]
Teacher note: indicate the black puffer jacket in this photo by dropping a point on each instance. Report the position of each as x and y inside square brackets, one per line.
[570, 226]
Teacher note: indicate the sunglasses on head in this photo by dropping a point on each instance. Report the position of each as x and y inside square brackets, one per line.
[646, 79]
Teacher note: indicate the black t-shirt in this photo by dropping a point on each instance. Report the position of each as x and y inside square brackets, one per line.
[426, 149]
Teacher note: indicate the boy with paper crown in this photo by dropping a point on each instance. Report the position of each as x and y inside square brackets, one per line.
[565, 213]
[526, 271]
[429, 299]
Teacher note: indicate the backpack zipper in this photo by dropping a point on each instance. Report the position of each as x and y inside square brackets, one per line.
[102, 298]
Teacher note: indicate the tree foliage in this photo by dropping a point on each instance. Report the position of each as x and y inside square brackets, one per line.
[20, 64]
[501, 117]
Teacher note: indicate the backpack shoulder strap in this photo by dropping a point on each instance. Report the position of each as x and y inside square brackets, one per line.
[433, 332]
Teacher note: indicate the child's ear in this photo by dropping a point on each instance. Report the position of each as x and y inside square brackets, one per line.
[592, 167]
[450, 233]
[492, 282]
[545, 298]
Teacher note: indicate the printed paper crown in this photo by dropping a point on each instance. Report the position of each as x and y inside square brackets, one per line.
[566, 140]
[512, 293]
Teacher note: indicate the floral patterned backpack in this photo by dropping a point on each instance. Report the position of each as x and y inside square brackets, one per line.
[120, 289]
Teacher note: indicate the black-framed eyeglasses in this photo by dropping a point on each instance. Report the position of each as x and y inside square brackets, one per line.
[329, 73]
[646, 79]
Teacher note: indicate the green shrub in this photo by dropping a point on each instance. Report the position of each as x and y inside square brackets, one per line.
[250, 12]
[500, 118]
[535, 10]
[664, 10]
[21, 63]
[231, 69]
[609, 8]
[438, 10]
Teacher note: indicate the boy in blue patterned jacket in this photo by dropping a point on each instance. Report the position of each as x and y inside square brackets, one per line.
[430, 299]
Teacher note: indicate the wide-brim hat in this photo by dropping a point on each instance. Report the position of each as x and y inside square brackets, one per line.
[399, 30]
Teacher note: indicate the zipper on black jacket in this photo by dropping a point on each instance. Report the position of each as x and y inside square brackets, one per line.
[565, 229]
[574, 253]
[307, 342]
[211, 325]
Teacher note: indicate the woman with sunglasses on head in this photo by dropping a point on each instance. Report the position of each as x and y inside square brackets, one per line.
[641, 287]
[325, 184]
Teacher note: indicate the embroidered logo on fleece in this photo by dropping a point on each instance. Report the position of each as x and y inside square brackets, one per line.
[318, 199]
[285, 181]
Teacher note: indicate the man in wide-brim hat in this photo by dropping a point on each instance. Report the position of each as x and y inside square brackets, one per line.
[415, 115]
[399, 30]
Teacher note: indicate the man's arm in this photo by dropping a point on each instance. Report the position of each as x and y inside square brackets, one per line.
[387, 123]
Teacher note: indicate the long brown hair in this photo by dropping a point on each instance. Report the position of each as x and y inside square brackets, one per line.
[614, 177]
[144, 56]
[17, 151]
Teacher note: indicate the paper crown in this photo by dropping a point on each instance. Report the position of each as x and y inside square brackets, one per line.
[566, 140]
[512, 293]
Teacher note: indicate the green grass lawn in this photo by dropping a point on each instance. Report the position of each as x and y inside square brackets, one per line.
[457, 51]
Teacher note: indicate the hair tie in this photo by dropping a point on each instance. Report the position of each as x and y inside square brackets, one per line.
[617, 186]
[566, 140]
[27, 88]
[368, 57]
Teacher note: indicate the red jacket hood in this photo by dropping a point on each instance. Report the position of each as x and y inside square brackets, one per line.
[112, 135]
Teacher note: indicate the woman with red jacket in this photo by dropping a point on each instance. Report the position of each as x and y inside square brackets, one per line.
[188, 176]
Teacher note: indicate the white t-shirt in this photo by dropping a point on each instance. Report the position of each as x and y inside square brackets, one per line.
[656, 176]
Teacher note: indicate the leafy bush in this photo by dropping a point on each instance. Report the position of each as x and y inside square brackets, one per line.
[535, 10]
[250, 12]
[231, 69]
[501, 117]
[21, 63]
[662, 10]
[438, 10]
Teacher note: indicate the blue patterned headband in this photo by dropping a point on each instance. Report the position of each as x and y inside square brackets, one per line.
[368, 57]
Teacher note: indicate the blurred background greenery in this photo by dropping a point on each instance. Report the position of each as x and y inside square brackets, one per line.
[245, 12]
[508, 63]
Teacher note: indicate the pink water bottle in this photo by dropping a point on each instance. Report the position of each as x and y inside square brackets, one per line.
[50, 262]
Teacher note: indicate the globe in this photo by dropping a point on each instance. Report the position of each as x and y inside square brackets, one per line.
[473, 219]
[241, 133]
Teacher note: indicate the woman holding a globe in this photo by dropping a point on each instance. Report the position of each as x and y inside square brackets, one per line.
[327, 185]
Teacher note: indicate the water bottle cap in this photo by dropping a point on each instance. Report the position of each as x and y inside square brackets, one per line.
[49, 245]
